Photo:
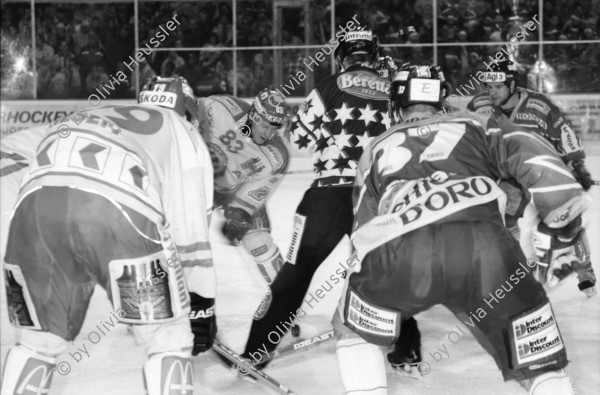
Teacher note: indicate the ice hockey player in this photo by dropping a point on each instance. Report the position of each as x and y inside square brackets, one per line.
[536, 112]
[121, 200]
[337, 121]
[249, 160]
[425, 187]
[405, 355]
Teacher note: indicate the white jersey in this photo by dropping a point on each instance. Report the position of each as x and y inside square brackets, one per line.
[16, 152]
[246, 174]
[145, 158]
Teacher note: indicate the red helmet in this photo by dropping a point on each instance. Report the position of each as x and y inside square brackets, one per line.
[173, 93]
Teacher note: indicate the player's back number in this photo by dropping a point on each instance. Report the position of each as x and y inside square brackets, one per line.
[137, 119]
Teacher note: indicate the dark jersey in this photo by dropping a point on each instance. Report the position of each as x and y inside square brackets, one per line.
[444, 169]
[537, 112]
[338, 120]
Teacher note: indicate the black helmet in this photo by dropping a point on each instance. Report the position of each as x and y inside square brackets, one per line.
[386, 67]
[174, 93]
[500, 71]
[357, 42]
[414, 84]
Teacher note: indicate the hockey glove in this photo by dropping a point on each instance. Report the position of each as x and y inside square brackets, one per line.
[582, 175]
[560, 252]
[238, 223]
[203, 321]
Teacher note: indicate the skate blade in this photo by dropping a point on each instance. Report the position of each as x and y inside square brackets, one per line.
[411, 371]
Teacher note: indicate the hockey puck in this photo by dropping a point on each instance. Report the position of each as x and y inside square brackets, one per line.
[296, 330]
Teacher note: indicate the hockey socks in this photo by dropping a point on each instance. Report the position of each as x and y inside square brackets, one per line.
[362, 367]
[27, 371]
[167, 372]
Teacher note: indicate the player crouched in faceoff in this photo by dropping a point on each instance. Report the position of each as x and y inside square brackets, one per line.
[535, 112]
[428, 230]
[122, 201]
[249, 160]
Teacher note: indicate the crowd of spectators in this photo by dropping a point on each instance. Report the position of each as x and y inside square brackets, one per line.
[81, 46]
[15, 55]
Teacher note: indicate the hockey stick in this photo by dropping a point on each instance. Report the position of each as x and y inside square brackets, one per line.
[293, 347]
[596, 182]
[246, 368]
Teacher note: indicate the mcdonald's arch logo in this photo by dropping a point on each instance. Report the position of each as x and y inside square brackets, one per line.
[37, 381]
[178, 376]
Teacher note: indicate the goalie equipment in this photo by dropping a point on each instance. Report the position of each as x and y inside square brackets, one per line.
[203, 321]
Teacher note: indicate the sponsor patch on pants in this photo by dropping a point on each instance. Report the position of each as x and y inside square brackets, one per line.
[299, 222]
[370, 320]
[536, 335]
[21, 310]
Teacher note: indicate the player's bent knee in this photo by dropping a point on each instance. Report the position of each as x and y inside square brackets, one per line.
[342, 332]
[377, 324]
[156, 282]
[43, 342]
[27, 370]
[170, 372]
[165, 337]
[535, 344]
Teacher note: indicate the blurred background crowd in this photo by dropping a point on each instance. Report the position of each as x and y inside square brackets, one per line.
[81, 46]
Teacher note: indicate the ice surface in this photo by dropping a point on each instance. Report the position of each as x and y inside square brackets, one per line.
[114, 365]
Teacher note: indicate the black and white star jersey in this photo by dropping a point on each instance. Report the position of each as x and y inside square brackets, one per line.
[338, 120]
